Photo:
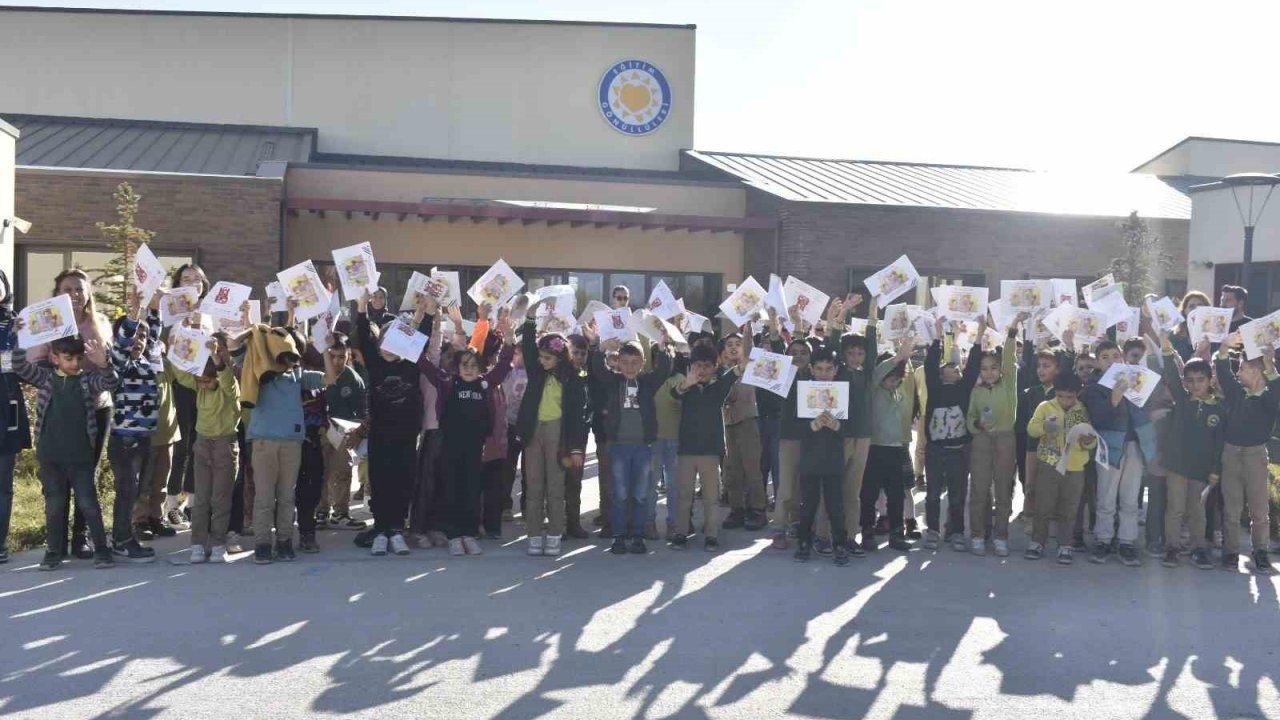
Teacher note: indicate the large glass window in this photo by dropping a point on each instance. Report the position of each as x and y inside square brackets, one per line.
[635, 282]
[38, 267]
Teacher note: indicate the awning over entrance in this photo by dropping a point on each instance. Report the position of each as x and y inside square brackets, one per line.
[479, 211]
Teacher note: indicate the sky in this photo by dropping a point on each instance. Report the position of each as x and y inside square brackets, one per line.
[1076, 86]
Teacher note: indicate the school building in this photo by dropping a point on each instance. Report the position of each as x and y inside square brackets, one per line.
[567, 148]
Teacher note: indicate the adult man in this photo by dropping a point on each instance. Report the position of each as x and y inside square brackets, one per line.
[1236, 298]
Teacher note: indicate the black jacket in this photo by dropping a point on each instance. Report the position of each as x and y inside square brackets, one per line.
[946, 413]
[701, 414]
[1193, 448]
[1250, 418]
[612, 386]
[573, 414]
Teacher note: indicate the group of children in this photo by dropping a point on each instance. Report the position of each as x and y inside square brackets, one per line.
[281, 421]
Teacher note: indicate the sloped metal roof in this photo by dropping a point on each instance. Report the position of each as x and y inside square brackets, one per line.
[966, 187]
[190, 148]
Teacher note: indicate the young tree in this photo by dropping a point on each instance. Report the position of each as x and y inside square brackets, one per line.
[1142, 253]
[111, 282]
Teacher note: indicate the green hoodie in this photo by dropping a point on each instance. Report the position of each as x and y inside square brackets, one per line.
[999, 401]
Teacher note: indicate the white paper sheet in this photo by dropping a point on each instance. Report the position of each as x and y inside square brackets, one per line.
[177, 304]
[1076, 432]
[1001, 315]
[810, 302]
[189, 350]
[1209, 323]
[403, 340]
[277, 298]
[768, 370]
[302, 283]
[890, 283]
[1261, 335]
[1064, 291]
[959, 302]
[324, 324]
[1110, 303]
[1128, 327]
[237, 326]
[813, 397]
[1164, 314]
[357, 270]
[777, 301]
[1029, 296]
[496, 285]
[743, 302]
[46, 321]
[615, 325]
[900, 320]
[224, 299]
[339, 430]
[148, 273]
[653, 327]
[444, 286]
[662, 302]
[1087, 291]
[589, 312]
[1142, 381]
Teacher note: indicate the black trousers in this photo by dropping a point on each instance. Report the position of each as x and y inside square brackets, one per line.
[103, 417]
[306, 495]
[814, 489]
[888, 468]
[392, 461]
[497, 494]
[515, 451]
[946, 469]
[427, 511]
[242, 479]
[130, 460]
[182, 473]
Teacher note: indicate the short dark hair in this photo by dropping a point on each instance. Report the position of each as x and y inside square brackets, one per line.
[73, 345]
[1237, 292]
[725, 340]
[1104, 346]
[802, 343]
[1197, 366]
[822, 355]
[1134, 342]
[339, 341]
[631, 347]
[849, 340]
[703, 353]
[1068, 382]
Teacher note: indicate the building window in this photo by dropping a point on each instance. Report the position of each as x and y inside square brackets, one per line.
[38, 266]
[929, 278]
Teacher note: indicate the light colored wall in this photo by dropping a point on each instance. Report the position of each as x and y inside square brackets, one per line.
[1215, 158]
[439, 242]
[1217, 235]
[413, 187]
[7, 143]
[474, 91]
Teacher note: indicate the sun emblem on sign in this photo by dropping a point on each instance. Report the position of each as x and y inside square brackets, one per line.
[634, 97]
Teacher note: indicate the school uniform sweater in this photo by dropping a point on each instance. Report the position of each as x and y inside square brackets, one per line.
[1196, 427]
[701, 414]
[1250, 416]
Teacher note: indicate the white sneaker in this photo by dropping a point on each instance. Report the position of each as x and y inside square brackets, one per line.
[198, 554]
[380, 545]
[1002, 548]
[552, 546]
[535, 545]
[398, 545]
[455, 547]
[958, 542]
[471, 546]
[218, 554]
[233, 544]
[978, 546]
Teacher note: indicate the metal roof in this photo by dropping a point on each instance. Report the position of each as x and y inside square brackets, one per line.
[967, 187]
[483, 167]
[143, 145]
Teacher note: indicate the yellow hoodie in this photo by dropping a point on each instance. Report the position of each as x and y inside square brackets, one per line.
[1052, 443]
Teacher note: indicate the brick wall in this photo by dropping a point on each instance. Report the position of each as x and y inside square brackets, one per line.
[820, 242]
[230, 224]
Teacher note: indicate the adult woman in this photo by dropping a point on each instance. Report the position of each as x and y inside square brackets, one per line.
[1181, 336]
[181, 468]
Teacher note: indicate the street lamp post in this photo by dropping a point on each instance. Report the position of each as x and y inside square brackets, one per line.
[1247, 184]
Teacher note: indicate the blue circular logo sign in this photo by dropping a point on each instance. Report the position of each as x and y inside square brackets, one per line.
[634, 97]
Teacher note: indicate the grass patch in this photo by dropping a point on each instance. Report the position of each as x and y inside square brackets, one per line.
[26, 525]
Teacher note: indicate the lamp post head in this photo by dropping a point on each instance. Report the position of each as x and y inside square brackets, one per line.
[1251, 180]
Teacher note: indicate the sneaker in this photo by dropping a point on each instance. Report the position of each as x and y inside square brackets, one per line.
[471, 546]
[4, 556]
[51, 561]
[711, 545]
[869, 540]
[160, 529]
[978, 546]
[1230, 561]
[438, 539]
[284, 550]
[882, 525]
[551, 547]
[1200, 558]
[734, 521]
[380, 544]
[841, 557]
[822, 546]
[803, 553]
[1079, 545]
[912, 529]
[1002, 547]
[198, 554]
[931, 540]
[80, 547]
[755, 521]
[262, 554]
[1066, 556]
[142, 531]
[637, 546]
[1170, 559]
[1262, 563]
[958, 543]
[1035, 551]
[679, 542]
[455, 547]
[102, 558]
[233, 545]
[1156, 550]
[535, 545]
[218, 554]
[1101, 551]
[398, 545]
[619, 546]
[307, 543]
[855, 550]
[779, 541]
[1129, 556]
[898, 542]
[132, 551]
[354, 524]
[175, 519]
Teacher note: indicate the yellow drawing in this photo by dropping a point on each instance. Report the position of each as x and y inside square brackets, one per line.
[746, 301]
[768, 370]
[962, 302]
[495, 289]
[892, 280]
[303, 291]
[900, 321]
[186, 348]
[356, 270]
[45, 320]
[821, 399]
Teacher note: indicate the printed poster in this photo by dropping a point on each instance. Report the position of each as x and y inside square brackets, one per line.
[1164, 314]
[810, 302]
[1209, 323]
[1142, 381]
[769, 371]
[1129, 326]
[742, 303]
[224, 300]
[959, 302]
[662, 302]
[890, 283]
[403, 340]
[1029, 296]
[302, 283]
[654, 327]
[356, 270]
[148, 273]
[277, 298]
[1064, 292]
[177, 304]
[1088, 291]
[1261, 335]
[235, 327]
[496, 285]
[46, 321]
[189, 350]
[815, 397]
[1110, 302]
[615, 325]
[899, 320]
[325, 323]
[442, 286]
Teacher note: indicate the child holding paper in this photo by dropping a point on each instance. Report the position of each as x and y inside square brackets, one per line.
[741, 467]
[887, 460]
[347, 400]
[822, 470]
[992, 407]
[947, 437]
[181, 477]
[1040, 367]
[1058, 494]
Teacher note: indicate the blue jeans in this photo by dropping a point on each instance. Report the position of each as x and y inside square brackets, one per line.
[664, 463]
[6, 497]
[630, 466]
[770, 434]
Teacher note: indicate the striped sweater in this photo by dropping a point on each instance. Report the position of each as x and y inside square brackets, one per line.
[93, 382]
[136, 399]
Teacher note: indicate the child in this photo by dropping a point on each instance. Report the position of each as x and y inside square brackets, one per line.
[1251, 400]
[1193, 455]
[347, 399]
[791, 436]
[136, 401]
[1040, 367]
[741, 467]
[553, 429]
[215, 454]
[66, 426]
[947, 438]
[1058, 493]
[15, 435]
[992, 406]
[630, 427]
[702, 395]
[887, 459]
[466, 421]
[513, 391]
[822, 470]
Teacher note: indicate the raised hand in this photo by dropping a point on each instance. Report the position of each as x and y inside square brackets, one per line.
[96, 352]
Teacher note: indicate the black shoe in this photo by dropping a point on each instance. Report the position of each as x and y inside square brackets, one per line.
[160, 529]
[598, 520]
[307, 543]
[855, 550]
[1101, 551]
[354, 524]
[711, 545]
[51, 561]
[755, 521]
[1170, 559]
[262, 555]
[679, 542]
[1129, 556]
[1230, 561]
[576, 531]
[803, 553]
[619, 546]
[80, 547]
[284, 550]
[913, 530]
[897, 542]
[1262, 563]
[102, 558]
[733, 522]
[841, 556]
[869, 539]
[322, 517]
[133, 552]
[1079, 545]
[1200, 558]
[143, 532]
[638, 547]
[882, 525]
[364, 538]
